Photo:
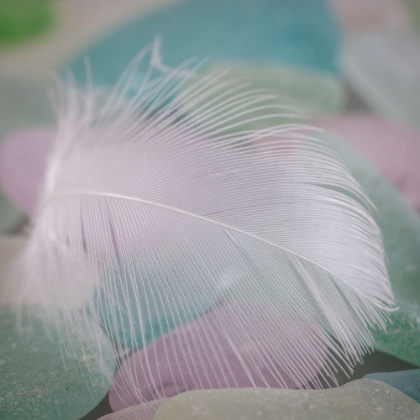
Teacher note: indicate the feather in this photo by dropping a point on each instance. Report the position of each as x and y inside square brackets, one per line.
[179, 211]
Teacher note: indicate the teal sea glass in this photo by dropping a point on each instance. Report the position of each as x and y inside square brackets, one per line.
[136, 311]
[400, 225]
[49, 373]
[407, 381]
[303, 33]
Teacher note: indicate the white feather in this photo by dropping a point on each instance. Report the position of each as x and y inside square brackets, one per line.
[179, 214]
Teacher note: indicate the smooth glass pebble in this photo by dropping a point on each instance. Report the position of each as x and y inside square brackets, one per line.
[138, 412]
[413, 7]
[23, 103]
[20, 19]
[400, 225]
[23, 159]
[10, 248]
[383, 69]
[40, 379]
[360, 16]
[364, 399]
[216, 351]
[10, 216]
[391, 148]
[407, 381]
[71, 296]
[303, 33]
[304, 92]
[138, 311]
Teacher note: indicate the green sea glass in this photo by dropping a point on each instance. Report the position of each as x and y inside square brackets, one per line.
[138, 412]
[413, 7]
[364, 399]
[21, 19]
[400, 226]
[407, 381]
[383, 69]
[43, 378]
[311, 93]
[10, 217]
[24, 103]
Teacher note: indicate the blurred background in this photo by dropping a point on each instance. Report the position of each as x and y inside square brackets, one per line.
[353, 66]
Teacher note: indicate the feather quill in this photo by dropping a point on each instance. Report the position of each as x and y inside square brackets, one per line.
[179, 211]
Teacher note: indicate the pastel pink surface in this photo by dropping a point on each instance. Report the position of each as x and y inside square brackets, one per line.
[218, 351]
[394, 150]
[23, 159]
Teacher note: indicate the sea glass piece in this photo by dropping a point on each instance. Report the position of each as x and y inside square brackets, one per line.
[73, 296]
[21, 19]
[400, 225]
[364, 399]
[23, 103]
[49, 373]
[407, 381]
[413, 7]
[138, 311]
[303, 33]
[391, 148]
[144, 411]
[383, 69]
[23, 160]
[302, 91]
[360, 16]
[10, 217]
[10, 247]
[216, 351]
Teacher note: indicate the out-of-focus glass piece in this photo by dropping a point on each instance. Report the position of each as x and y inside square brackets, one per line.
[141, 310]
[407, 381]
[215, 351]
[23, 160]
[144, 411]
[48, 371]
[384, 70]
[363, 399]
[392, 149]
[10, 217]
[413, 7]
[400, 225]
[360, 16]
[23, 103]
[308, 92]
[296, 32]
[21, 19]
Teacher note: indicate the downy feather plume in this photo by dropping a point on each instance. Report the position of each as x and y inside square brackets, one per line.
[159, 210]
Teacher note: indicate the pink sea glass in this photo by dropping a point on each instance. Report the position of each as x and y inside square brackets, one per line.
[23, 159]
[393, 149]
[221, 350]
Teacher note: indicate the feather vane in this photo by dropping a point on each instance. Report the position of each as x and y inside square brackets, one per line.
[181, 212]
